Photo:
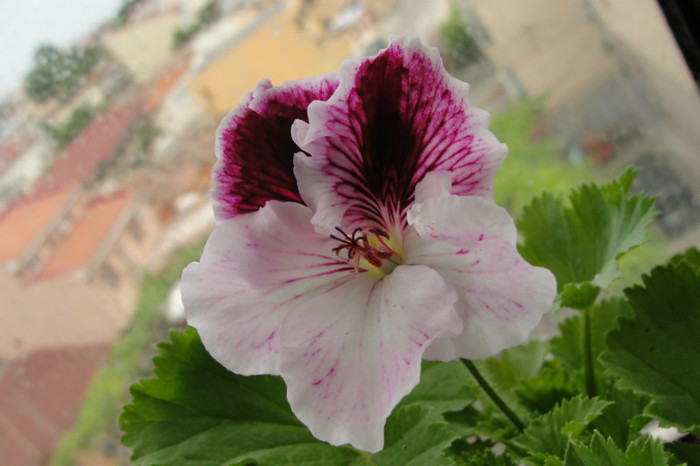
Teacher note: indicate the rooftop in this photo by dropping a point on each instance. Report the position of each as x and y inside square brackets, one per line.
[22, 223]
[90, 231]
[51, 382]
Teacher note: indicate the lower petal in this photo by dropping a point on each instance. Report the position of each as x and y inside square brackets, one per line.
[470, 242]
[351, 353]
[254, 269]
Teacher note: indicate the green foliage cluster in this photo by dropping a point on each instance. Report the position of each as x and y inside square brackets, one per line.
[128, 360]
[459, 47]
[205, 17]
[59, 74]
[64, 133]
[579, 399]
[601, 224]
[532, 165]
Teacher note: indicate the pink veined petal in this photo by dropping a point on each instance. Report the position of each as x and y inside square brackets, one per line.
[470, 242]
[255, 149]
[393, 119]
[254, 269]
[352, 352]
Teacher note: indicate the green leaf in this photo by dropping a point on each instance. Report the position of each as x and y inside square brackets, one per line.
[646, 451]
[412, 437]
[505, 373]
[604, 315]
[549, 388]
[687, 452]
[567, 346]
[658, 353]
[543, 459]
[197, 412]
[477, 453]
[551, 432]
[483, 419]
[443, 386]
[581, 242]
[623, 420]
[579, 295]
[507, 370]
[604, 452]
[691, 256]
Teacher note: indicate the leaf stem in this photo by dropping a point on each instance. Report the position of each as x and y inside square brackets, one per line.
[588, 367]
[510, 414]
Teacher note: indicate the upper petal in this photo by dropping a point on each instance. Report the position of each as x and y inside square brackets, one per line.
[254, 269]
[255, 149]
[393, 118]
[470, 242]
[351, 353]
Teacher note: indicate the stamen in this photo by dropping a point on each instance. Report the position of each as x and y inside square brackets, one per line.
[359, 246]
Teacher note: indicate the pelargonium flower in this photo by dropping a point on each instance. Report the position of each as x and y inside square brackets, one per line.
[356, 235]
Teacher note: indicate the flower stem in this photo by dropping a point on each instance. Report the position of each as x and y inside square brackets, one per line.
[588, 367]
[510, 414]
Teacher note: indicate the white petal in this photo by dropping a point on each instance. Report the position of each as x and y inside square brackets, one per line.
[320, 192]
[434, 184]
[254, 269]
[351, 353]
[450, 218]
[470, 242]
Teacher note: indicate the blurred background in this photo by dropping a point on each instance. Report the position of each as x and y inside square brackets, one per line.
[108, 111]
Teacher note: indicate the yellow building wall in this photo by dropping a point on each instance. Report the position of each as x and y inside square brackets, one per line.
[278, 49]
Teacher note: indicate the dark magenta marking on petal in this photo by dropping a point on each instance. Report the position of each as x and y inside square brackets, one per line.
[255, 148]
[397, 103]
[403, 116]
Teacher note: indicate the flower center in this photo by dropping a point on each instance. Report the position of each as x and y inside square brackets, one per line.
[370, 248]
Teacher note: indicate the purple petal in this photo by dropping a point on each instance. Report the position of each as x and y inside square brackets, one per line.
[351, 353]
[254, 147]
[254, 269]
[393, 119]
[470, 242]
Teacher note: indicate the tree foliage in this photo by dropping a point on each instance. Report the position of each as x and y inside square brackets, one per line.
[59, 74]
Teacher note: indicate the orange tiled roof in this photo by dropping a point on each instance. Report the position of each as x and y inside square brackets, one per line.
[22, 222]
[89, 232]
